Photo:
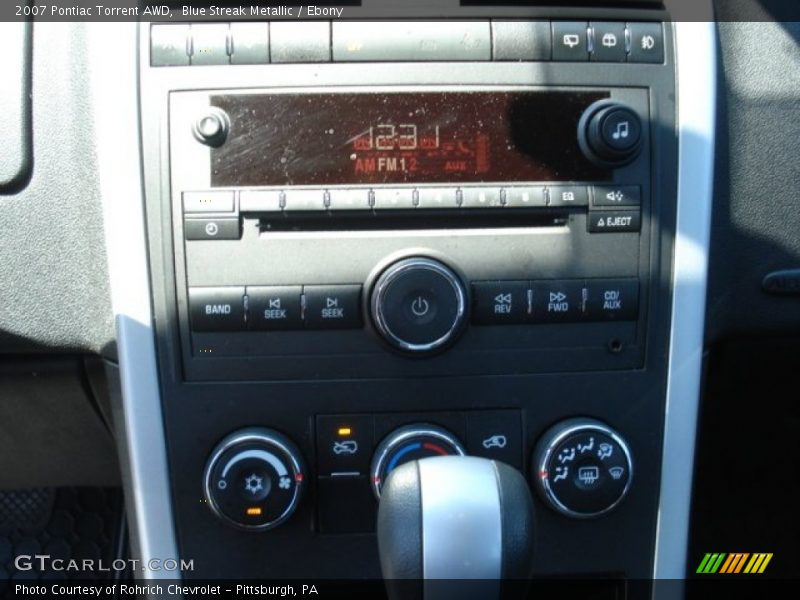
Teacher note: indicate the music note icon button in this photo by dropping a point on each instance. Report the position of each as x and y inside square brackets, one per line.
[620, 129]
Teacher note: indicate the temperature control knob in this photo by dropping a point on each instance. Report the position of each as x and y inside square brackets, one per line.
[254, 479]
[419, 305]
[412, 442]
[610, 134]
[583, 468]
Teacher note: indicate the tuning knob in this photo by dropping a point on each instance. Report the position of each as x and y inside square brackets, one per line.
[412, 442]
[582, 468]
[610, 133]
[254, 479]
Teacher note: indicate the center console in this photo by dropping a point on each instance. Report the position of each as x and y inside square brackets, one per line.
[373, 242]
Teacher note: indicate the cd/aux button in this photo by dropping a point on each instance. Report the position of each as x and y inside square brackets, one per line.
[612, 299]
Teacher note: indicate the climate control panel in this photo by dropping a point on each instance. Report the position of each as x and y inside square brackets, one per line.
[580, 467]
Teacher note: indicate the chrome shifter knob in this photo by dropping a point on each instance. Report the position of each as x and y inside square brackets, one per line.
[454, 526]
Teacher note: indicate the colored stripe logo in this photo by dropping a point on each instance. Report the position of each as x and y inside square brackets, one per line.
[736, 562]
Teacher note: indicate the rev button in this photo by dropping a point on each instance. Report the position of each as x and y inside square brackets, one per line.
[274, 307]
[217, 309]
[499, 302]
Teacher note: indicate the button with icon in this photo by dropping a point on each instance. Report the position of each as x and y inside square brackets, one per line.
[274, 307]
[647, 43]
[570, 41]
[212, 229]
[332, 306]
[608, 42]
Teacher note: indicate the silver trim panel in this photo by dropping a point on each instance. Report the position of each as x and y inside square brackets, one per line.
[696, 93]
[112, 55]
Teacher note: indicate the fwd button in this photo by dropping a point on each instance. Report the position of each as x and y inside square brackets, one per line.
[557, 300]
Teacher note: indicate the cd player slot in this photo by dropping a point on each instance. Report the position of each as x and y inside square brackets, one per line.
[410, 220]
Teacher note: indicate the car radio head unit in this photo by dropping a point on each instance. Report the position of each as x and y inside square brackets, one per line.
[351, 138]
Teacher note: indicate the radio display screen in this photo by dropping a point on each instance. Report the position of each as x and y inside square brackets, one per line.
[348, 138]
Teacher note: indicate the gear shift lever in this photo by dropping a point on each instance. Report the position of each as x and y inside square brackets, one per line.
[454, 526]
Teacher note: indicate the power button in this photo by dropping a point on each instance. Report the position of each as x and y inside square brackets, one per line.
[418, 305]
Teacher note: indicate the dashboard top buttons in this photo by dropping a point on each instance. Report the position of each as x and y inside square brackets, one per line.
[411, 40]
[582, 468]
[308, 41]
[388, 41]
[570, 41]
[521, 40]
[608, 41]
[647, 42]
